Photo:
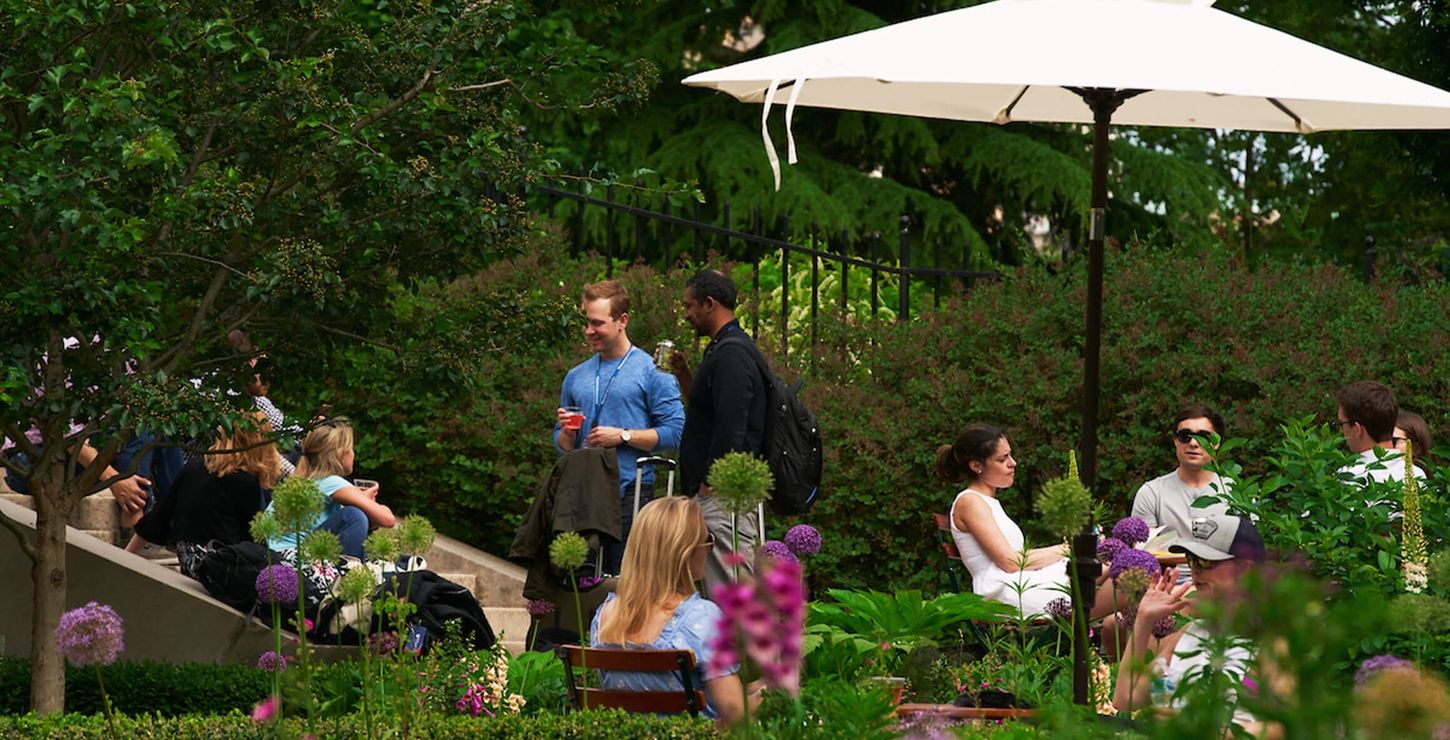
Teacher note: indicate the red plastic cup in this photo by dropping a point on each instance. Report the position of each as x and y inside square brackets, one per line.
[573, 420]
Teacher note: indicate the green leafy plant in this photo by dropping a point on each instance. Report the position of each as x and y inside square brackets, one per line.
[872, 632]
[539, 678]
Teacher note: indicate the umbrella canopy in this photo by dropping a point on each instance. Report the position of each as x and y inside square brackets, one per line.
[1016, 60]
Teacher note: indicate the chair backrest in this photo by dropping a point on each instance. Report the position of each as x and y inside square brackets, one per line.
[944, 537]
[681, 663]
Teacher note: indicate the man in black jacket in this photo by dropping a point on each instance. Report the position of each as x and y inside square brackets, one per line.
[726, 413]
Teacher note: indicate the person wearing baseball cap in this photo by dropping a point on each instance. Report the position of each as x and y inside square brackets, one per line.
[1220, 550]
[1214, 539]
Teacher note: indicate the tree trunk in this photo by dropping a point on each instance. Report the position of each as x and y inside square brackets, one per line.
[47, 667]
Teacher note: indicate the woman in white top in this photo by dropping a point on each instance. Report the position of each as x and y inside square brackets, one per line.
[991, 544]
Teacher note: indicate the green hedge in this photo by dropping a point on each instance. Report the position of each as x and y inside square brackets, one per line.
[604, 724]
[141, 687]
[1261, 345]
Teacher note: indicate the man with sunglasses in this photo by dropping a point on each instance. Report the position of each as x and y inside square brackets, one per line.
[1168, 500]
[1367, 414]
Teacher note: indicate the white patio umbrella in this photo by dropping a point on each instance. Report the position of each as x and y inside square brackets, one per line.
[1134, 62]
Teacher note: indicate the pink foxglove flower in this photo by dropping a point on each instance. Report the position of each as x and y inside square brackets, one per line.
[769, 619]
[267, 709]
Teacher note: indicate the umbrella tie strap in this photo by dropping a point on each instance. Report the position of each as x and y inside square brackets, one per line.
[795, 92]
[765, 133]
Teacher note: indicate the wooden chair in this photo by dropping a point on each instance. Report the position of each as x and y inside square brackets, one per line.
[948, 547]
[680, 663]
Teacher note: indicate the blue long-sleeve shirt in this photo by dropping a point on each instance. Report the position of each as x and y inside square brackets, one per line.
[629, 393]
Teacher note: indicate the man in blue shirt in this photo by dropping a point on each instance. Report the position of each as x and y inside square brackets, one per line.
[627, 403]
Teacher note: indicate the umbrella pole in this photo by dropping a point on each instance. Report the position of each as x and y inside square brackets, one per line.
[1086, 569]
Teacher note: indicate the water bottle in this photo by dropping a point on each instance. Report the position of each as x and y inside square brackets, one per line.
[1162, 685]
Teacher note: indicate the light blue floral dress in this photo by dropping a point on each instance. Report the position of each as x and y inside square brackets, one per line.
[693, 626]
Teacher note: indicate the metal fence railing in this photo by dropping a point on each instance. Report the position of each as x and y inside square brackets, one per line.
[665, 237]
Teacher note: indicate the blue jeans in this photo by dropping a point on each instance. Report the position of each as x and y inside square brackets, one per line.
[350, 525]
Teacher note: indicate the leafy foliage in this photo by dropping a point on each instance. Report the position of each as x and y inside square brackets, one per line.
[318, 175]
[595, 723]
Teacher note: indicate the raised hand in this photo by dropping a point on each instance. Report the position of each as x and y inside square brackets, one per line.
[1162, 598]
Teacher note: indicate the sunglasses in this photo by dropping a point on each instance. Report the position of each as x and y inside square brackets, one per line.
[709, 541]
[1184, 436]
[1198, 563]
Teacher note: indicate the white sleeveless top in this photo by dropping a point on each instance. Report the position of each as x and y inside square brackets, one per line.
[991, 582]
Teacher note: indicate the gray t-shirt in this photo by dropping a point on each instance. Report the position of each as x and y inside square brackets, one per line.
[1168, 501]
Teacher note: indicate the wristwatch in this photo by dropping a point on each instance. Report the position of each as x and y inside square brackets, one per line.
[624, 436]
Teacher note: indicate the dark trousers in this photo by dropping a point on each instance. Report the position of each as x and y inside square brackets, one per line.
[614, 554]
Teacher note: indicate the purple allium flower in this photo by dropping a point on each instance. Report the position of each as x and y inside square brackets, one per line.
[1126, 618]
[272, 662]
[1164, 627]
[90, 635]
[277, 584]
[1060, 607]
[1379, 663]
[803, 539]
[1131, 530]
[539, 608]
[1109, 549]
[1131, 559]
[778, 550]
[588, 582]
[383, 643]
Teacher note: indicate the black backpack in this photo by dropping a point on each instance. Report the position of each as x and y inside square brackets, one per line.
[440, 601]
[792, 440]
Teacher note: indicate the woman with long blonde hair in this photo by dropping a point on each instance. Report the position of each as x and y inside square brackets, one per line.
[216, 495]
[348, 511]
[656, 606]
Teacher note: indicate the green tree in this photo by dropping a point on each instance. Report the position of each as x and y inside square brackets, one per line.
[318, 174]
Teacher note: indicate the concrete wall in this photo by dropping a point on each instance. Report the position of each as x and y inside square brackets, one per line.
[168, 617]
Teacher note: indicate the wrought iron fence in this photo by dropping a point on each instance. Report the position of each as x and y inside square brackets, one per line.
[664, 237]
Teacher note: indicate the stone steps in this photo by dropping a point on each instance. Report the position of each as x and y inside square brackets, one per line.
[96, 512]
[496, 583]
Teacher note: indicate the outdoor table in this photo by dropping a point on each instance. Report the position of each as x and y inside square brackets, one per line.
[1170, 559]
[951, 711]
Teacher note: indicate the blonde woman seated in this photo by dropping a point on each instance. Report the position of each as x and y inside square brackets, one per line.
[656, 606]
[991, 544]
[347, 511]
[215, 496]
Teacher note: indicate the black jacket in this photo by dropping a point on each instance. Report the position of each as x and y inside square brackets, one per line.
[581, 494]
[727, 408]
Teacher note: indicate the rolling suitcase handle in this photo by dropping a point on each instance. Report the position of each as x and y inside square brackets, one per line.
[639, 478]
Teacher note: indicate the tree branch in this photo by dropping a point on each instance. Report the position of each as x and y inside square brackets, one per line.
[207, 260]
[14, 527]
[21, 441]
[358, 337]
[169, 358]
[481, 86]
[396, 103]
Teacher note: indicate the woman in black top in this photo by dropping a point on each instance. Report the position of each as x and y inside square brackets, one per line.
[216, 495]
